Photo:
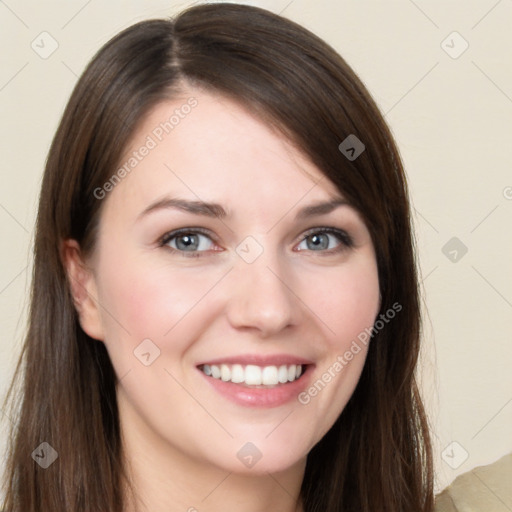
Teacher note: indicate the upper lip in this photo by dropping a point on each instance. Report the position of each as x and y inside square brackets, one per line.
[259, 360]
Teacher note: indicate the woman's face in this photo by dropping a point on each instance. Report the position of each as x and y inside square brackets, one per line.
[208, 328]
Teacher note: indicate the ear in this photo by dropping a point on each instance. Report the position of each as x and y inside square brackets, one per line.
[82, 285]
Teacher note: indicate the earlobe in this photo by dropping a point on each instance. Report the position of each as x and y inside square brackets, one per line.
[83, 289]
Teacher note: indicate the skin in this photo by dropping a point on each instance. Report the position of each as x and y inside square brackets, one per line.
[181, 436]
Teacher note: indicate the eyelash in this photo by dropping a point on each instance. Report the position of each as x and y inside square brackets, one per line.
[346, 241]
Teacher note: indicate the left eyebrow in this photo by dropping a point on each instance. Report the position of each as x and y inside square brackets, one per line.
[321, 208]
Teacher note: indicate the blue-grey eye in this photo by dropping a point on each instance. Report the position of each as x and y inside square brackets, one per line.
[324, 240]
[188, 242]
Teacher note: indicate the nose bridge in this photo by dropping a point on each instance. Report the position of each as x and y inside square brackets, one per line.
[261, 296]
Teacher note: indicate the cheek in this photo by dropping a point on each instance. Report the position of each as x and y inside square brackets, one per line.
[348, 303]
[348, 309]
[142, 300]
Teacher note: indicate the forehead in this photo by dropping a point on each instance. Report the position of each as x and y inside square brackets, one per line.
[205, 146]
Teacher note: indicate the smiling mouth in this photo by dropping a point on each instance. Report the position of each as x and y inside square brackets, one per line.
[254, 376]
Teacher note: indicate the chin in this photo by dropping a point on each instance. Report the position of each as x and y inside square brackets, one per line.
[259, 457]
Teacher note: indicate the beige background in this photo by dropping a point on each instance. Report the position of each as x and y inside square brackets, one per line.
[451, 113]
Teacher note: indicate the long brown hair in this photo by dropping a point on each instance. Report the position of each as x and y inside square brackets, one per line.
[377, 456]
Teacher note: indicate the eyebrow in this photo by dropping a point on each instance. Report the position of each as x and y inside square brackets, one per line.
[216, 210]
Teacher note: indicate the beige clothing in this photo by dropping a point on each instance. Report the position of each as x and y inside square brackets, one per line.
[483, 489]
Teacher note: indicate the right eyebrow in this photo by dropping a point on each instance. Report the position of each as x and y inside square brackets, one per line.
[195, 207]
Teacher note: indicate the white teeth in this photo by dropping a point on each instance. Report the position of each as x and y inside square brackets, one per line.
[225, 372]
[237, 373]
[253, 375]
[269, 376]
[282, 374]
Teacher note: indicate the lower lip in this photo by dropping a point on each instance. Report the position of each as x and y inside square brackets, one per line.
[261, 397]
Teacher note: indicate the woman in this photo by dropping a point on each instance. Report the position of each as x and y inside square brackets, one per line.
[224, 306]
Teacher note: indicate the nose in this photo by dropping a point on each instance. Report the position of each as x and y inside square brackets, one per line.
[261, 296]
